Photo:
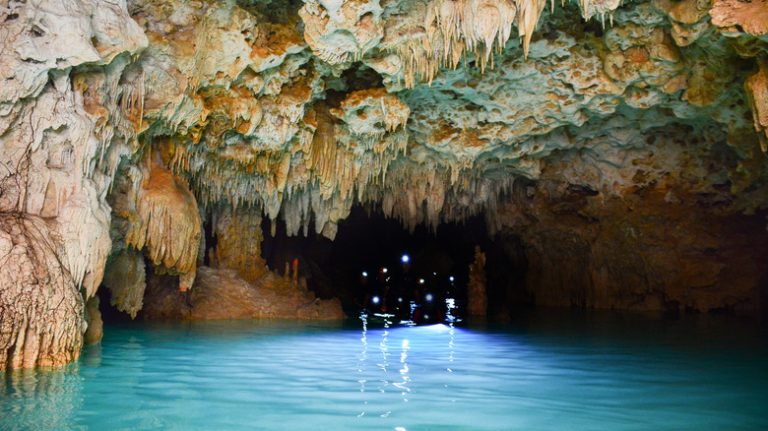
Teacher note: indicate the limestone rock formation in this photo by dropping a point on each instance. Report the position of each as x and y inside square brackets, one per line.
[167, 223]
[477, 297]
[95, 330]
[586, 129]
[238, 238]
[41, 309]
[125, 277]
[62, 131]
[220, 294]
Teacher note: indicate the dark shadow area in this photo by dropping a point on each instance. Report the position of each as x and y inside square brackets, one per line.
[109, 313]
[351, 267]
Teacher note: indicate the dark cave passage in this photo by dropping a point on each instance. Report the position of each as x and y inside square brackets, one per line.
[367, 242]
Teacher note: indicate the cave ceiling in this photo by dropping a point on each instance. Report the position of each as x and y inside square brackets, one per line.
[431, 109]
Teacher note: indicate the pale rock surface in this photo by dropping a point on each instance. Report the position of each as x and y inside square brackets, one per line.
[62, 131]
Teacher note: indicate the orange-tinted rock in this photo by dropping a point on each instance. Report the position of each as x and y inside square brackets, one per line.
[757, 93]
[646, 251]
[167, 223]
[238, 243]
[748, 16]
[219, 294]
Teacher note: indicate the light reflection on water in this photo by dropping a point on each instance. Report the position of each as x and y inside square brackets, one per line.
[574, 372]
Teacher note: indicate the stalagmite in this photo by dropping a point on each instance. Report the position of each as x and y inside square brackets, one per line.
[238, 237]
[477, 296]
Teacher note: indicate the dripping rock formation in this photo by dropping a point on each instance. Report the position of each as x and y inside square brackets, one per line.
[143, 141]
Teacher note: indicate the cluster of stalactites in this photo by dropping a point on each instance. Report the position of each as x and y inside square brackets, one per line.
[428, 195]
[454, 28]
[320, 191]
[332, 161]
[319, 184]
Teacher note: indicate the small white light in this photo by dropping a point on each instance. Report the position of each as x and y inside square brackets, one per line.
[421, 281]
[365, 273]
[399, 299]
[434, 273]
[375, 299]
[405, 258]
[384, 270]
[428, 297]
[450, 279]
[426, 316]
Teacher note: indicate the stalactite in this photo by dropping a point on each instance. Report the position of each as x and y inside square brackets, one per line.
[125, 278]
[167, 223]
[456, 28]
[757, 92]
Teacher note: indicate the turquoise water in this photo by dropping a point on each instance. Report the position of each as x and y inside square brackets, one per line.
[550, 372]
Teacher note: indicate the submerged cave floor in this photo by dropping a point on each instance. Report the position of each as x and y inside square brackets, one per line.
[545, 370]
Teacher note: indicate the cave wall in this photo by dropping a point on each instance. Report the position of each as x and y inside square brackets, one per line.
[662, 245]
[63, 128]
[588, 130]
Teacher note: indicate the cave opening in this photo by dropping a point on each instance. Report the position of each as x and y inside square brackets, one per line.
[351, 267]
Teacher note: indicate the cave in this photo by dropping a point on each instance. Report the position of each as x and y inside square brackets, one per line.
[383, 214]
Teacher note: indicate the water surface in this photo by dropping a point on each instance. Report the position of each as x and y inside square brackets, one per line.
[552, 371]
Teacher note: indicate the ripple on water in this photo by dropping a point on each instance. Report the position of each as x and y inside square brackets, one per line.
[573, 372]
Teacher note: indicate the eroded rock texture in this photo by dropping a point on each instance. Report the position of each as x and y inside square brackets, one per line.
[64, 123]
[220, 294]
[623, 144]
